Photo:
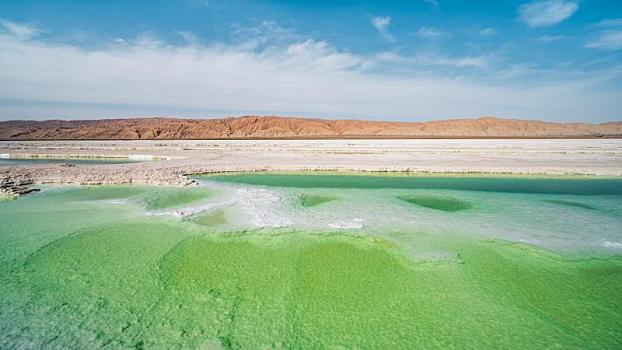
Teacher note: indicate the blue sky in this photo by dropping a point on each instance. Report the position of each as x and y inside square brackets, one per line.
[409, 60]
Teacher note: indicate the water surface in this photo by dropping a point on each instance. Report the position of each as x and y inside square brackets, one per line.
[295, 261]
[510, 184]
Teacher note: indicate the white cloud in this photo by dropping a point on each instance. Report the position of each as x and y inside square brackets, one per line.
[265, 34]
[319, 56]
[611, 22]
[487, 31]
[199, 3]
[429, 32]
[188, 36]
[608, 40]
[609, 35]
[20, 31]
[431, 60]
[550, 38]
[382, 25]
[470, 61]
[43, 79]
[546, 13]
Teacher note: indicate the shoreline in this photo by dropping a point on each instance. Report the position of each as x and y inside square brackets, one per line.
[174, 163]
[406, 173]
[16, 184]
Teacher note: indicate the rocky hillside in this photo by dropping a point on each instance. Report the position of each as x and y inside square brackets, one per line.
[285, 127]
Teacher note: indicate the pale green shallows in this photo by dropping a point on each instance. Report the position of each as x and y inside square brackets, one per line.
[380, 268]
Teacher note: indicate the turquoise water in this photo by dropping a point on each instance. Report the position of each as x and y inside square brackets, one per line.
[584, 186]
[294, 261]
[76, 161]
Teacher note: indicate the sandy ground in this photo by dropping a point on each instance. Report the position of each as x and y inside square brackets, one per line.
[601, 157]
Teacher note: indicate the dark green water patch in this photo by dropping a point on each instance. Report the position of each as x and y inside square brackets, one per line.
[570, 203]
[174, 197]
[583, 186]
[439, 203]
[308, 200]
[209, 219]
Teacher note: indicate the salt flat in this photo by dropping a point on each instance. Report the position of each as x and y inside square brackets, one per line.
[601, 157]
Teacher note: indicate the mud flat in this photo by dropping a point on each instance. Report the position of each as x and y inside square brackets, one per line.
[181, 158]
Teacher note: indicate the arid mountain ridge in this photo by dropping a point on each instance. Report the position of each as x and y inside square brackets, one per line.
[271, 127]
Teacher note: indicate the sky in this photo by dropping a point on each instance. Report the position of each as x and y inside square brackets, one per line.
[402, 60]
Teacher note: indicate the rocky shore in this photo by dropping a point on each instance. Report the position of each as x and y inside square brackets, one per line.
[10, 186]
[17, 180]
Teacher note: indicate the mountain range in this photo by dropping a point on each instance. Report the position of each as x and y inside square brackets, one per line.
[272, 127]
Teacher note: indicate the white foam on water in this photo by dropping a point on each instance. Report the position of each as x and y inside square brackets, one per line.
[356, 223]
[261, 207]
[191, 210]
[617, 245]
[265, 207]
[512, 217]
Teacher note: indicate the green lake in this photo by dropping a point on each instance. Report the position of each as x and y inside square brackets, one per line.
[304, 261]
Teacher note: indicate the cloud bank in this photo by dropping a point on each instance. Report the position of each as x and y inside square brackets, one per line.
[144, 76]
[546, 13]
[610, 37]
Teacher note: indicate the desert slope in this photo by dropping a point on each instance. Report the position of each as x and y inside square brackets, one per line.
[255, 127]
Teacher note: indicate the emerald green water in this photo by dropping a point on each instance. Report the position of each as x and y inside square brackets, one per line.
[172, 198]
[237, 265]
[312, 200]
[210, 219]
[584, 186]
[438, 203]
[569, 203]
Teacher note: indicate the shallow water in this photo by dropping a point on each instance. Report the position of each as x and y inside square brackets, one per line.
[439, 203]
[309, 200]
[294, 261]
[509, 184]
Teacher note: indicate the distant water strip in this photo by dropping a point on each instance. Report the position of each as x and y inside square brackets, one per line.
[541, 185]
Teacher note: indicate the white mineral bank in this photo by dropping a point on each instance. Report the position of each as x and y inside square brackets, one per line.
[174, 159]
[140, 157]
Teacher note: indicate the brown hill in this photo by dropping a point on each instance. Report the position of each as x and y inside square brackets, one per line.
[254, 127]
